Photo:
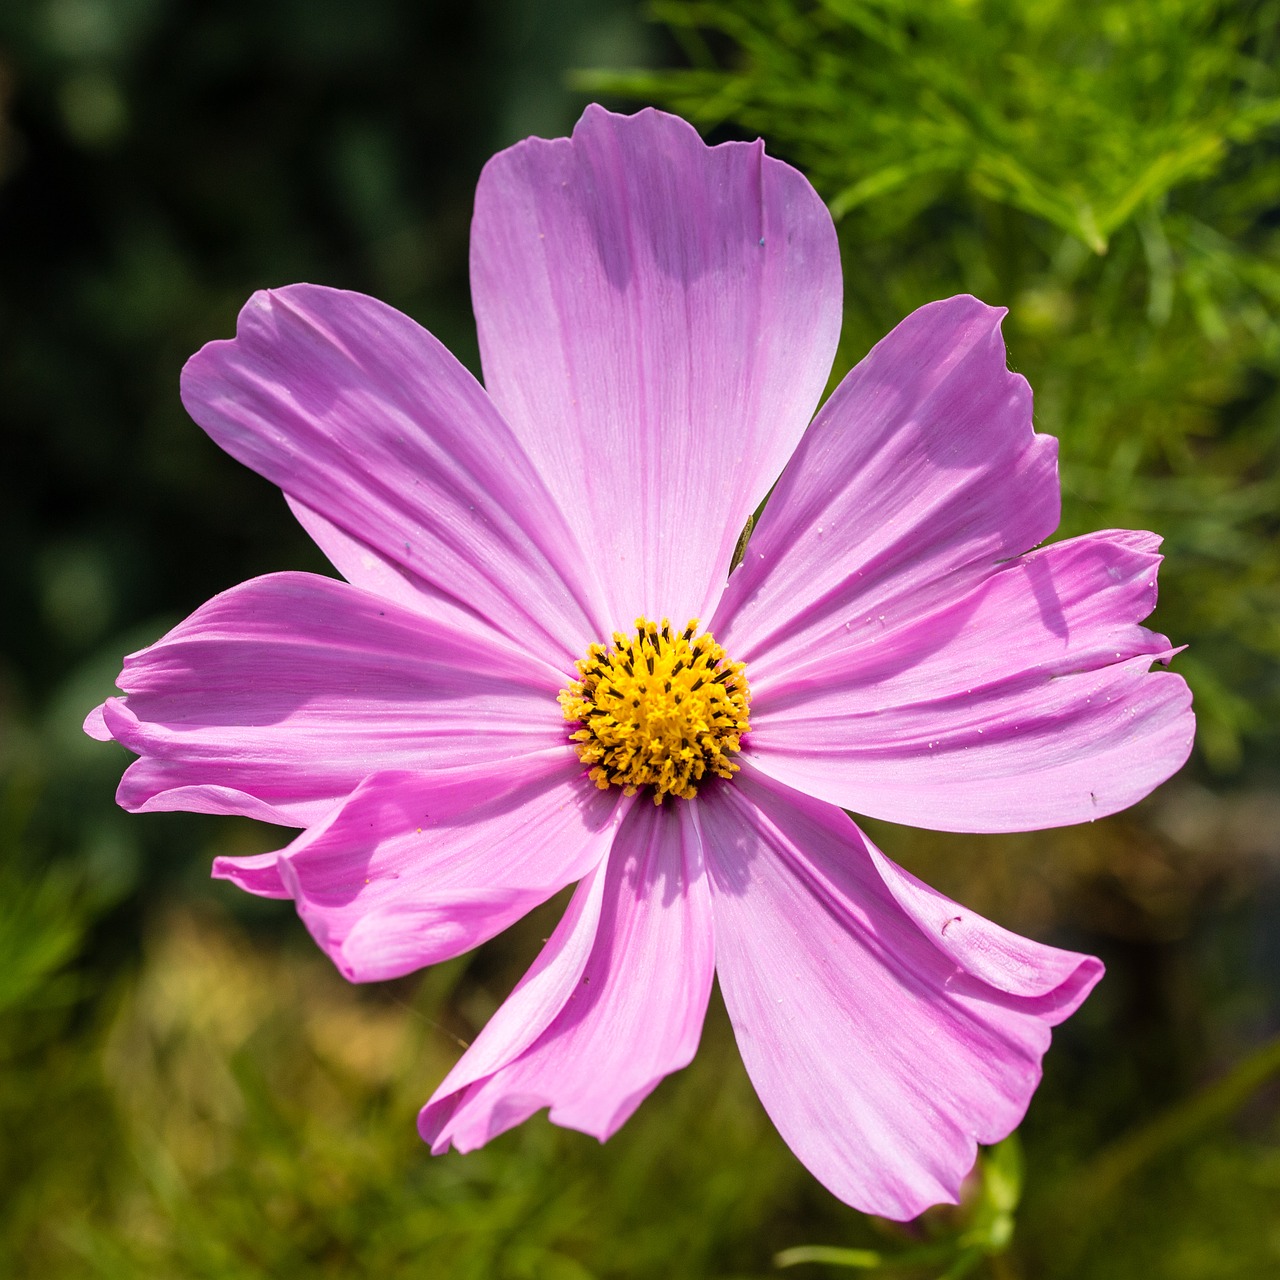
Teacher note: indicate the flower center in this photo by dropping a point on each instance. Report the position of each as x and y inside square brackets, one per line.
[658, 710]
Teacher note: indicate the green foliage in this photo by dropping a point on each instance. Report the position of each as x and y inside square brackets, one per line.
[1108, 172]
[261, 1113]
[47, 1085]
[1080, 114]
[40, 930]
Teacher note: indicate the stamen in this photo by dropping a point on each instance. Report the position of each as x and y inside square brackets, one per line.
[669, 730]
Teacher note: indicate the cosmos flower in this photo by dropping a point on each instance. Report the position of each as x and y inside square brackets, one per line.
[541, 670]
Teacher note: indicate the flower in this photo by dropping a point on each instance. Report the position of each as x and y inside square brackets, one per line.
[539, 637]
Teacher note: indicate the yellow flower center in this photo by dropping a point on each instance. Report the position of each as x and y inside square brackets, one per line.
[658, 710]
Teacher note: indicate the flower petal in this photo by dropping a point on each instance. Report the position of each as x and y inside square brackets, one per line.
[415, 868]
[276, 698]
[362, 417]
[1028, 703]
[886, 1030]
[368, 569]
[918, 476]
[627, 1013]
[657, 320]
[95, 726]
[528, 1011]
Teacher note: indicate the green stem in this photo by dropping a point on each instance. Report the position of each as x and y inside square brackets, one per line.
[863, 1259]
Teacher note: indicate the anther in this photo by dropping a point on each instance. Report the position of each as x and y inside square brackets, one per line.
[669, 732]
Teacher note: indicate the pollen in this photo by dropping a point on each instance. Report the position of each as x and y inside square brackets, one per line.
[659, 708]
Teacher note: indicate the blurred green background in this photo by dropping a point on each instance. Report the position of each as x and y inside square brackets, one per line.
[187, 1089]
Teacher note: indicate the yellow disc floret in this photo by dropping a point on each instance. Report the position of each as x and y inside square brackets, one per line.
[658, 709]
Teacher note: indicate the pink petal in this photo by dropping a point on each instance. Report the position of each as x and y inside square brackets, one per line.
[918, 476]
[364, 567]
[624, 1015]
[887, 1030]
[529, 1010]
[1027, 703]
[279, 696]
[95, 725]
[415, 868]
[657, 320]
[365, 419]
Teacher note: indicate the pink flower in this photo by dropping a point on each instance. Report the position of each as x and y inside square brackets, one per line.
[657, 321]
